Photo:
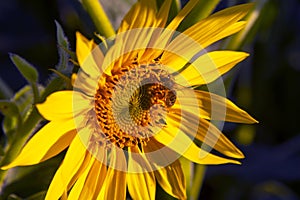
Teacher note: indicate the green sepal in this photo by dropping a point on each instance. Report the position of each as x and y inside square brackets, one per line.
[63, 46]
[25, 68]
[56, 84]
[65, 78]
[62, 40]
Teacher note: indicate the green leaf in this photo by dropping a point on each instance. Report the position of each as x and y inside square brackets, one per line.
[25, 68]
[30, 182]
[202, 9]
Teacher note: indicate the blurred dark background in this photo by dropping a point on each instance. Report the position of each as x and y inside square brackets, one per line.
[267, 85]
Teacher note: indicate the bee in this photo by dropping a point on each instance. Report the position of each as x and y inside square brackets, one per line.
[170, 98]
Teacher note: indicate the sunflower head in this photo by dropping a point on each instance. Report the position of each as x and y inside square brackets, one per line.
[136, 107]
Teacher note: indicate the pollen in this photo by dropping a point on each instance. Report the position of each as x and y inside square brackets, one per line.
[132, 104]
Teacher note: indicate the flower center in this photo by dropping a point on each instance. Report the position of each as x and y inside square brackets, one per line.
[132, 104]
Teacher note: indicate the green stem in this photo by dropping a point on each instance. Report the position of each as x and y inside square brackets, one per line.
[198, 181]
[2, 178]
[99, 17]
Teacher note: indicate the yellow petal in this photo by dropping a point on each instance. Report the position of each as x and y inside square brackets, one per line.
[83, 47]
[86, 84]
[181, 15]
[210, 66]
[162, 15]
[166, 34]
[168, 170]
[80, 184]
[72, 163]
[183, 145]
[114, 186]
[203, 34]
[230, 30]
[85, 56]
[172, 180]
[215, 107]
[141, 15]
[140, 180]
[46, 143]
[131, 45]
[205, 132]
[90, 182]
[63, 105]
[205, 31]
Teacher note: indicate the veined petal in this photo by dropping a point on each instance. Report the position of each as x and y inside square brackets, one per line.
[114, 186]
[83, 47]
[140, 176]
[63, 105]
[181, 15]
[172, 180]
[163, 13]
[169, 31]
[205, 31]
[90, 182]
[72, 163]
[46, 143]
[206, 133]
[203, 34]
[228, 31]
[79, 185]
[211, 66]
[184, 47]
[141, 15]
[215, 107]
[169, 173]
[175, 139]
[85, 55]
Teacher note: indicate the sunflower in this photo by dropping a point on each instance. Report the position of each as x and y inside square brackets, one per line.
[135, 110]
